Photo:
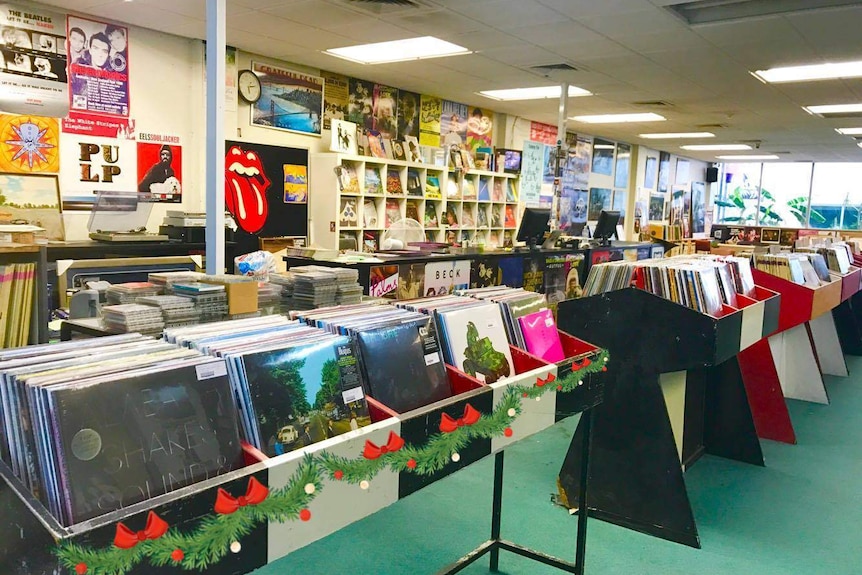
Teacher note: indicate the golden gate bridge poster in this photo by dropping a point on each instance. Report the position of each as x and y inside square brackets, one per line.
[289, 100]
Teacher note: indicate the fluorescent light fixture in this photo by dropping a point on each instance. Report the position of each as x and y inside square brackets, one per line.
[830, 71]
[619, 118]
[716, 147]
[859, 144]
[677, 135]
[399, 50]
[536, 93]
[834, 109]
[849, 131]
[749, 158]
[603, 146]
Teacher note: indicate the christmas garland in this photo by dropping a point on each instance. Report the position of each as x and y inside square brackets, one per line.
[236, 515]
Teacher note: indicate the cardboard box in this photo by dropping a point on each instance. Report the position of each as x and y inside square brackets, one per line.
[241, 296]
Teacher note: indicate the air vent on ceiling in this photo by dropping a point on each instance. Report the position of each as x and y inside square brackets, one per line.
[388, 7]
[391, 2]
[559, 67]
[653, 104]
[711, 126]
[715, 11]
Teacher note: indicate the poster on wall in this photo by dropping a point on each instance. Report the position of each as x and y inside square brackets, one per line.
[336, 98]
[411, 281]
[92, 164]
[386, 111]
[600, 199]
[580, 161]
[603, 157]
[544, 133]
[408, 114]
[650, 173]
[620, 200]
[446, 277]
[160, 168]
[621, 172]
[698, 207]
[34, 198]
[549, 167]
[453, 123]
[480, 129]
[680, 196]
[573, 208]
[98, 66]
[230, 79]
[29, 144]
[532, 165]
[295, 184]
[682, 172]
[254, 193]
[99, 126]
[663, 171]
[656, 206]
[289, 100]
[360, 108]
[33, 61]
[383, 281]
[429, 120]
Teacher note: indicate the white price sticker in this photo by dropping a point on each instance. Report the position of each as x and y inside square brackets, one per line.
[211, 370]
[352, 395]
[432, 358]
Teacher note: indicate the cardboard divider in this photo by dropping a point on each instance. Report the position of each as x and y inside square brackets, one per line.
[460, 382]
[850, 282]
[378, 411]
[799, 303]
[574, 347]
[525, 361]
[251, 454]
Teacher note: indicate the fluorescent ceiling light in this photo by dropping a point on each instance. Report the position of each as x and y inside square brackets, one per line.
[834, 109]
[811, 72]
[603, 146]
[716, 147]
[618, 118]
[537, 93]
[749, 158]
[399, 50]
[849, 131]
[677, 135]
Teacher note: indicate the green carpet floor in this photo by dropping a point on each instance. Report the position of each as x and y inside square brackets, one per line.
[800, 514]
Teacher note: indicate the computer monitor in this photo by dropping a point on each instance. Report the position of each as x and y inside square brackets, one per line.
[606, 226]
[535, 223]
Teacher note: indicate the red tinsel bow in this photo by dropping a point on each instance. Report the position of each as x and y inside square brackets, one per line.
[576, 366]
[448, 425]
[542, 382]
[127, 539]
[394, 443]
[255, 494]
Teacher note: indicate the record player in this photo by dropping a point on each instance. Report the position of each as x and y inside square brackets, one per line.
[121, 217]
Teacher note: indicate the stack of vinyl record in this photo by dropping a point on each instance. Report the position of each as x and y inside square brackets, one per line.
[313, 289]
[296, 384]
[176, 310]
[130, 292]
[75, 416]
[133, 317]
[209, 299]
[399, 355]
[166, 279]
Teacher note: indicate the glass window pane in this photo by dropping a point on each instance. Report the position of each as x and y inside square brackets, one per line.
[737, 199]
[784, 189]
[836, 196]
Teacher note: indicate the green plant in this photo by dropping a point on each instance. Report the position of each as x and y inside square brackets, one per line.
[748, 214]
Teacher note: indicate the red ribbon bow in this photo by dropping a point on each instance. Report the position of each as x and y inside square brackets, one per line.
[543, 382]
[448, 425]
[393, 444]
[255, 494]
[576, 366]
[127, 539]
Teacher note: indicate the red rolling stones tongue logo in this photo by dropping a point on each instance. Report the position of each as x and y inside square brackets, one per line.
[245, 189]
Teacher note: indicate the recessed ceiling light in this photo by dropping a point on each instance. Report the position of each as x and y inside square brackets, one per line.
[811, 72]
[834, 109]
[619, 118]
[849, 131]
[677, 135]
[716, 147]
[749, 158]
[859, 144]
[536, 93]
[399, 50]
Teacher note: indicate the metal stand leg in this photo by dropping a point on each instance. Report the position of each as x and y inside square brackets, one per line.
[583, 512]
[497, 510]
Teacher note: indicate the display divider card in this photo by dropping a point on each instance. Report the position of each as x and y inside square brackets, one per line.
[140, 434]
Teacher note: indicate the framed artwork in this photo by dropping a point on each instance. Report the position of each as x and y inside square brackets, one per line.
[603, 157]
[650, 173]
[40, 193]
[289, 100]
[621, 172]
[770, 235]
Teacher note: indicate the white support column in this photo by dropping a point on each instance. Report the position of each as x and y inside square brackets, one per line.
[216, 40]
[562, 116]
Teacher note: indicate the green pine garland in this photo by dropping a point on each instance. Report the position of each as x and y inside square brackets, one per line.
[212, 539]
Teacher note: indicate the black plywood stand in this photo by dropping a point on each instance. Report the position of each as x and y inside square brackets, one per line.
[635, 467]
[848, 324]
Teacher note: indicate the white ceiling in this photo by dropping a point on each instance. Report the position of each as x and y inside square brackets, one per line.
[626, 51]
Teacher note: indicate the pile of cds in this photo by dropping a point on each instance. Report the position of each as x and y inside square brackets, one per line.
[130, 292]
[209, 299]
[349, 291]
[313, 289]
[176, 310]
[287, 281]
[133, 317]
[166, 279]
[269, 298]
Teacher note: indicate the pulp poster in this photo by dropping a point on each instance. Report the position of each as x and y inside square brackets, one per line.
[92, 164]
[160, 168]
[98, 66]
[33, 61]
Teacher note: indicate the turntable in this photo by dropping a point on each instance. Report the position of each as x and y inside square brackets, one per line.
[121, 217]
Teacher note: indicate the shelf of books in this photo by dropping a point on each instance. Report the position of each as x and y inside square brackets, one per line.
[369, 195]
[675, 391]
[223, 447]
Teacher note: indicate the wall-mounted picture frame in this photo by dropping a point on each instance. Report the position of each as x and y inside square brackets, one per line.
[289, 100]
[770, 235]
[33, 199]
[651, 173]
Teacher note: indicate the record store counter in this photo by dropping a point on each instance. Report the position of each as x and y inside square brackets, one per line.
[559, 272]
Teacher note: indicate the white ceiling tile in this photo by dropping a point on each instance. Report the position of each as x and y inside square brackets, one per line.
[633, 23]
[522, 55]
[507, 14]
[588, 8]
[555, 33]
[310, 13]
[435, 23]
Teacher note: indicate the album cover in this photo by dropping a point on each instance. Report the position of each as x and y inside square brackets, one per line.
[393, 182]
[398, 151]
[348, 213]
[412, 210]
[485, 271]
[541, 336]
[348, 181]
[373, 185]
[305, 393]
[432, 220]
[414, 183]
[143, 433]
[393, 212]
[402, 365]
[370, 242]
[369, 214]
[476, 342]
[484, 190]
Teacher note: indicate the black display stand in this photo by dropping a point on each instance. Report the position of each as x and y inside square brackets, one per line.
[635, 466]
[848, 324]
